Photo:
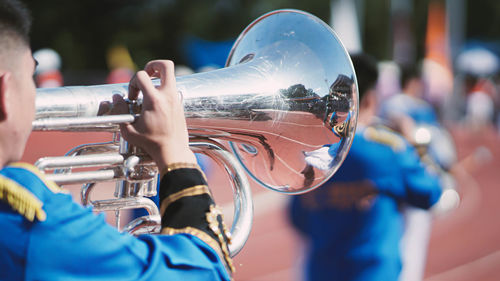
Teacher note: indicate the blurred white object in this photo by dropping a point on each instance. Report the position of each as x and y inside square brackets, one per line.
[480, 108]
[47, 59]
[478, 61]
[414, 243]
[438, 80]
[388, 79]
[207, 68]
[344, 20]
[182, 70]
[319, 158]
[422, 136]
[449, 201]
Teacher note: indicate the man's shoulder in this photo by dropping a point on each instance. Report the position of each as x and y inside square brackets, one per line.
[23, 187]
[29, 176]
[385, 136]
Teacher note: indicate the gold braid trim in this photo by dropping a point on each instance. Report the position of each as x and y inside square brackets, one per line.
[50, 184]
[191, 191]
[21, 200]
[205, 238]
[182, 165]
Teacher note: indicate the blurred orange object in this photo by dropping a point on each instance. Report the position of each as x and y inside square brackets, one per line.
[119, 75]
[49, 79]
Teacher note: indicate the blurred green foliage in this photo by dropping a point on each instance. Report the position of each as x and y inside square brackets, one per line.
[82, 31]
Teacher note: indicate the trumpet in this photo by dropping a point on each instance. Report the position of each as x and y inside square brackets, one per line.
[288, 91]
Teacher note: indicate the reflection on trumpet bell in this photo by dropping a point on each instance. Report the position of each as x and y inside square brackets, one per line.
[287, 95]
[287, 84]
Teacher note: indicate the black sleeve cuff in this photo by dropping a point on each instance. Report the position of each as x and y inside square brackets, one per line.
[179, 179]
[186, 206]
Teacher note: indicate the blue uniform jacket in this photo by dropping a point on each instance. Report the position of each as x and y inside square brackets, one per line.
[401, 104]
[353, 221]
[441, 148]
[62, 240]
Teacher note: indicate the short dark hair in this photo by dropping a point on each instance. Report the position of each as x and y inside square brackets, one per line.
[15, 23]
[409, 72]
[366, 70]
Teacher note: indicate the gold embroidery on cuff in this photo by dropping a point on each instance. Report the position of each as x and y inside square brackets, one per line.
[213, 223]
[191, 191]
[203, 237]
[182, 165]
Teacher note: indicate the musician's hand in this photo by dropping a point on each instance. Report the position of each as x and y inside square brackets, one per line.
[161, 128]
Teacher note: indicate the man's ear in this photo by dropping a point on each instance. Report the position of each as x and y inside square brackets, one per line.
[4, 88]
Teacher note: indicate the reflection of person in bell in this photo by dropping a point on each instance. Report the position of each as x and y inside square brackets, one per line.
[324, 157]
[352, 224]
[337, 117]
[338, 99]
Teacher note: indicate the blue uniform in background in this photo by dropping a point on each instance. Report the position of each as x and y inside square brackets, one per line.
[440, 151]
[401, 104]
[47, 236]
[353, 222]
[441, 148]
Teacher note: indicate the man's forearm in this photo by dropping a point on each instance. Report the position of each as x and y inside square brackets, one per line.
[186, 206]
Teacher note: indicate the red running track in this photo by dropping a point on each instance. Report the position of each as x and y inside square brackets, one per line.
[464, 245]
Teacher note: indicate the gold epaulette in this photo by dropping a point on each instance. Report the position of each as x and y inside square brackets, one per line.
[21, 200]
[385, 137]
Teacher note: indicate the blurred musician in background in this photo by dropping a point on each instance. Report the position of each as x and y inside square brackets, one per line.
[411, 115]
[353, 224]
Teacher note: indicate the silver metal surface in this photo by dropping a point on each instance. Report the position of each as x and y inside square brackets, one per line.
[82, 123]
[84, 177]
[79, 161]
[141, 225]
[287, 83]
[285, 105]
[153, 223]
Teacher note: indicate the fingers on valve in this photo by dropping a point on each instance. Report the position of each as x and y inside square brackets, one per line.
[163, 69]
[127, 131]
[120, 106]
[140, 82]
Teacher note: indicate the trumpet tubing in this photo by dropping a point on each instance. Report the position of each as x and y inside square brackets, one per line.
[284, 107]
